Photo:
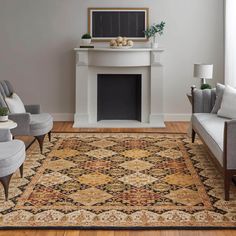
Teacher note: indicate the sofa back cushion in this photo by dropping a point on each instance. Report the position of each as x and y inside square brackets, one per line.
[204, 100]
[219, 96]
[228, 105]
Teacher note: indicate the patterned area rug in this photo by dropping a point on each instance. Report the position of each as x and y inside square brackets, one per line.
[118, 180]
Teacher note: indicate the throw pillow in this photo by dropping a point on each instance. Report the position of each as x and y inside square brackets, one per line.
[228, 108]
[219, 95]
[15, 105]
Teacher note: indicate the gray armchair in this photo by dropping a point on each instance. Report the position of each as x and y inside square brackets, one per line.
[12, 156]
[217, 133]
[32, 123]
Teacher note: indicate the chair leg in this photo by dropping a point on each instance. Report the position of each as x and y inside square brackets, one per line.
[193, 135]
[5, 182]
[40, 140]
[227, 180]
[50, 136]
[22, 170]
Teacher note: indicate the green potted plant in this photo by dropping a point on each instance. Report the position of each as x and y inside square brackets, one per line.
[86, 39]
[153, 31]
[3, 114]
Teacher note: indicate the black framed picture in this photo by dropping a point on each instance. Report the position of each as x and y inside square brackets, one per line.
[105, 24]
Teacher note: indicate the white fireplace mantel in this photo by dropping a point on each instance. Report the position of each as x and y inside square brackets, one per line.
[144, 61]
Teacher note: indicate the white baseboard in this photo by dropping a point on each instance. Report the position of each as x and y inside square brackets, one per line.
[167, 117]
[177, 117]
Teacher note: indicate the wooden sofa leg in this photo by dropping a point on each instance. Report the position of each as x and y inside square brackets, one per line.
[227, 181]
[40, 140]
[5, 182]
[22, 170]
[50, 136]
[193, 135]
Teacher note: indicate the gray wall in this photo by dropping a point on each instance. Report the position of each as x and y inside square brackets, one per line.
[37, 38]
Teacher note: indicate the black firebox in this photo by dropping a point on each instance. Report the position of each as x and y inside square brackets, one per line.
[119, 97]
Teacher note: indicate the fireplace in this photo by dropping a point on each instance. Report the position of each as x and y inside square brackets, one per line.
[119, 97]
[119, 88]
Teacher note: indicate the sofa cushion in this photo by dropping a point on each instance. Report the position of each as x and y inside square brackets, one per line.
[211, 128]
[219, 96]
[228, 108]
[40, 124]
[12, 156]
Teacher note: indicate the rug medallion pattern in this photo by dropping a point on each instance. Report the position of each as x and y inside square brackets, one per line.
[118, 180]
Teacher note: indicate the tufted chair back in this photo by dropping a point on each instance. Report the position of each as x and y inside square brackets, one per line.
[6, 90]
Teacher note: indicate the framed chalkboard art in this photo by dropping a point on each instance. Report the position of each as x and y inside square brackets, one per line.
[105, 24]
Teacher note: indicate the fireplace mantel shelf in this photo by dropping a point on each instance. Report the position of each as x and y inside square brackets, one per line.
[134, 49]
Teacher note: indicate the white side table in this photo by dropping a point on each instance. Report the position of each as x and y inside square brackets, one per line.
[8, 125]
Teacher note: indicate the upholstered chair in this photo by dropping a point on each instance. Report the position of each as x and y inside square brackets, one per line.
[32, 123]
[12, 156]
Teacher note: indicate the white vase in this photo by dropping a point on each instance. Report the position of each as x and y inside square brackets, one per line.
[86, 41]
[154, 42]
[3, 118]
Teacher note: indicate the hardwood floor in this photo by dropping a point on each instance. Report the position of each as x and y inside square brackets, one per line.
[173, 127]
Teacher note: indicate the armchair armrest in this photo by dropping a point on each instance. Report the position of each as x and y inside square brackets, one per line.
[5, 135]
[230, 144]
[203, 100]
[32, 109]
[23, 123]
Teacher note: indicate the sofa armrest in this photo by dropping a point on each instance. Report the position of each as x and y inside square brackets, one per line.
[230, 144]
[23, 123]
[203, 100]
[5, 135]
[32, 109]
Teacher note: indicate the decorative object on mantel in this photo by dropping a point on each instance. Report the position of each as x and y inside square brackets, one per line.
[120, 42]
[86, 39]
[3, 114]
[203, 71]
[153, 31]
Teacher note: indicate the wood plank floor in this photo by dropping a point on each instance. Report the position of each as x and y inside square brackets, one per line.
[171, 127]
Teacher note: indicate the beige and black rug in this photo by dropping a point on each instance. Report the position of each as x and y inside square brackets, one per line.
[118, 181]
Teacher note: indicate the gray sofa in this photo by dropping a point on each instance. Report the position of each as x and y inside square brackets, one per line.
[31, 123]
[218, 134]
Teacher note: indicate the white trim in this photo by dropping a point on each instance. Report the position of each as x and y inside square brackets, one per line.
[167, 117]
[177, 117]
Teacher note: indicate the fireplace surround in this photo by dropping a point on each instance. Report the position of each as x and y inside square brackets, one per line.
[136, 61]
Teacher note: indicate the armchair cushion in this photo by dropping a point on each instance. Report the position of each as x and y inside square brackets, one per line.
[12, 155]
[14, 103]
[40, 124]
[23, 123]
[211, 128]
[32, 109]
[5, 135]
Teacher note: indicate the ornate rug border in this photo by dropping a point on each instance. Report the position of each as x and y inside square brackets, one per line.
[143, 228]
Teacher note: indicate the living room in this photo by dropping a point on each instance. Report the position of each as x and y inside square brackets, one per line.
[117, 117]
